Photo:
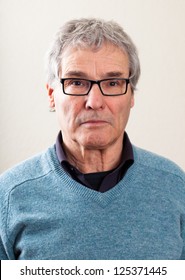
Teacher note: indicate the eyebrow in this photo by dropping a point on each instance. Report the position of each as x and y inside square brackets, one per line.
[81, 74]
[78, 74]
[114, 74]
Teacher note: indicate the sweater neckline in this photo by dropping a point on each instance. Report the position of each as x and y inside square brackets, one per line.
[65, 181]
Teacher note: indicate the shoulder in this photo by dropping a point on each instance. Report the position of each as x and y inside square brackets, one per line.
[31, 169]
[157, 163]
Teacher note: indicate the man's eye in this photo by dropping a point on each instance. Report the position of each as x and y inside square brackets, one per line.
[113, 83]
[76, 83]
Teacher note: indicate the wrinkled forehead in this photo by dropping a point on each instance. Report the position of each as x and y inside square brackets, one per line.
[94, 64]
[105, 57]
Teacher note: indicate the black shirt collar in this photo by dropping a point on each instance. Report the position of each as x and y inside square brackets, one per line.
[105, 182]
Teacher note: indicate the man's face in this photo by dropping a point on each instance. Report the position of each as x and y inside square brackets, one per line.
[93, 121]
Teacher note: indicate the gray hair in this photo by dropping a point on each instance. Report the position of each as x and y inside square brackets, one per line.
[91, 33]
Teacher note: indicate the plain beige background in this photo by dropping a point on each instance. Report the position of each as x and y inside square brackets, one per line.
[26, 30]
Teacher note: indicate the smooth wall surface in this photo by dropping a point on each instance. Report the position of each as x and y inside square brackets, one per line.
[26, 30]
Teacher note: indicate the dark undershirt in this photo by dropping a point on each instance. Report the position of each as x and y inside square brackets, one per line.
[99, 181]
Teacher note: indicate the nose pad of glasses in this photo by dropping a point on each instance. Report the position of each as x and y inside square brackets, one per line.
[95, 87]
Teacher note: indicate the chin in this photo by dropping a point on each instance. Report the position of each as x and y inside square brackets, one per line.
[95, 142]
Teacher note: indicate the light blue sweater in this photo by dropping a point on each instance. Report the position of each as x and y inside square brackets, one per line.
[44, 214]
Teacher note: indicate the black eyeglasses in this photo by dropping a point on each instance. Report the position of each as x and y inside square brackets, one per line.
[108, 87]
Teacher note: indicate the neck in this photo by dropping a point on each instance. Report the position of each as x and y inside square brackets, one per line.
[94, 160]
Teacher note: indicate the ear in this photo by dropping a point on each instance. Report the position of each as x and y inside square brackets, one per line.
[50, 96]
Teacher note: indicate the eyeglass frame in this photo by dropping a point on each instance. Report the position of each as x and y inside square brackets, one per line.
[98, 82]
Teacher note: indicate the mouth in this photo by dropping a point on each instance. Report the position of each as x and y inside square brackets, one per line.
[94, 123]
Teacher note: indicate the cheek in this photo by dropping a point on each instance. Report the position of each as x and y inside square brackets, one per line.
[71, 109]
[123, 112]
[132, 101]
[67, 110]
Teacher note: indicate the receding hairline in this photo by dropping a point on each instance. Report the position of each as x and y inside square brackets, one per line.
[93, 48]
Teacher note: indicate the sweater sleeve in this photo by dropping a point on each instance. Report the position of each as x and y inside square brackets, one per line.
[183, 238]
[5, 247]
[3, 255]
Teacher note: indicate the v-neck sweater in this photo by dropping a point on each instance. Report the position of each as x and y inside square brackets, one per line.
[45, 214]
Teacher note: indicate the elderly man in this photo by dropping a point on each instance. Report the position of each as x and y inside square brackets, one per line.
[92, 195]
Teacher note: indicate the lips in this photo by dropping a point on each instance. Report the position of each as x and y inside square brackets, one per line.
[93, 120]
[94, 123]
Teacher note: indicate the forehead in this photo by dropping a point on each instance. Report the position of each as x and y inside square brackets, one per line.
[108, 58]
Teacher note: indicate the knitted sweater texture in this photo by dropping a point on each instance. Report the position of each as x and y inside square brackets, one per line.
[45, 214]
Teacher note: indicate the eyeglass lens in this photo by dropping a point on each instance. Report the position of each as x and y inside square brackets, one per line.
[82, 86]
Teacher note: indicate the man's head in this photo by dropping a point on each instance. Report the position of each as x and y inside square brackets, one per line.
[91, 34]
[92, 50]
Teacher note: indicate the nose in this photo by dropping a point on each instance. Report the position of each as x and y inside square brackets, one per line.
[95, 99]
